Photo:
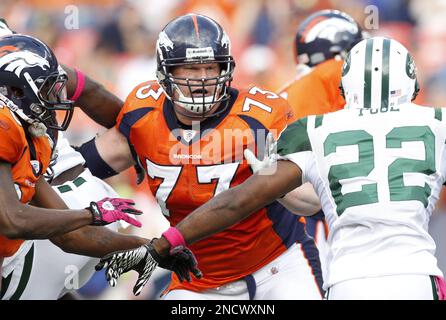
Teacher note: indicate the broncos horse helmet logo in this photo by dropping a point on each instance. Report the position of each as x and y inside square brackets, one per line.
[15, 61]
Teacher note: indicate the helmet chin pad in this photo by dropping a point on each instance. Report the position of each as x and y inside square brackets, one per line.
[197, 105]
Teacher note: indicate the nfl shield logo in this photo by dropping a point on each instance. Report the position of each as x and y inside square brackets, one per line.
[36, 166]
[188, 135]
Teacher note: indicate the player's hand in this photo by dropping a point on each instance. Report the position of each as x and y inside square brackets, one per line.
[144, 260]
[183, 263]
[109, 210]
[257, 164]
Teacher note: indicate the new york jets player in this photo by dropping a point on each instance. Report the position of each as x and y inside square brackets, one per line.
[377, 166]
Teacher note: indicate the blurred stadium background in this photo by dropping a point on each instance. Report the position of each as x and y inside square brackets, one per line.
[114, 40]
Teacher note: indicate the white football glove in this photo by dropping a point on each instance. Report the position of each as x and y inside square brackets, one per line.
[256, 164]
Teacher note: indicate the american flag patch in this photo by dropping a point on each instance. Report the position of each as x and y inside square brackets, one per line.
[395, 93]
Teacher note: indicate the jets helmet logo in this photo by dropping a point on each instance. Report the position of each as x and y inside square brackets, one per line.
[411, 69]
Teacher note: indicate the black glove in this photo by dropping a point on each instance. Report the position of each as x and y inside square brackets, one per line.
[144, 260]
[182, 263]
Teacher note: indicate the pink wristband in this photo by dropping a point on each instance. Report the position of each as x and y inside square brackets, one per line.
[175, 238]
[80, 84]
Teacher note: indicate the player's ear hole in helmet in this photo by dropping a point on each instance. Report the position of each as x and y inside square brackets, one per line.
[195, 40]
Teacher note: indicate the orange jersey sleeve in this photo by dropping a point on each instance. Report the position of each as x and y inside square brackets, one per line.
[269, 109]
[317, 92]
[10, 138]
[9, 152]
[143, 98]
[14, 150]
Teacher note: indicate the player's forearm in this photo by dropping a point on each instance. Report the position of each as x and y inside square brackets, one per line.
[119, 157]
[302, 201]
[96, 241]
[29, 222]
[97, 102]
[220, 212]
[216, 215]
[235, 204]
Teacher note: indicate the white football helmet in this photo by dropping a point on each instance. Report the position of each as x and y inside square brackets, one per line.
[378, 73]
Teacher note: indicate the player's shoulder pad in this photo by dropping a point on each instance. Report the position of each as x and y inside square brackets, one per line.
[146, 98]
[329, 70]
[12, 136]
[146, 94]
[264, 106]
[294, 138]
[284, 90]
[9, 122]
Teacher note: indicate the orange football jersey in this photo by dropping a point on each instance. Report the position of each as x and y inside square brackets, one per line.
[188, 166]
[29, 159]
[317, 92]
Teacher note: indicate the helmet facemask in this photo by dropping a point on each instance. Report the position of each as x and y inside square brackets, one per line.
[195, 40]
[213, 90]
[53, 96]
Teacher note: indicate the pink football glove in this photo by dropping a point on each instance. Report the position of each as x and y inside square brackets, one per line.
[109, 210]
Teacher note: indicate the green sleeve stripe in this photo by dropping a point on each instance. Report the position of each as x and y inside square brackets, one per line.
[438, 114]
[64, 188]
[78, 181]
[318, 121]
[294, 138]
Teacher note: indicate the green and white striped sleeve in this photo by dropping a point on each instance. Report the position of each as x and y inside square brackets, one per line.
[294, 145]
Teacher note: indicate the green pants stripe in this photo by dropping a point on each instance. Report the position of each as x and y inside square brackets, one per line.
[24, 278]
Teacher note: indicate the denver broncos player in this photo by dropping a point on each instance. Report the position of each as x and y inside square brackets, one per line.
[378, 207]
[322, 41]
[77, 187]
[32, 88]
[190, 130]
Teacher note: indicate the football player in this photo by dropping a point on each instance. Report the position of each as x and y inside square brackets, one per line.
[32, 88]
[377, 166]
[189, 130]
[321, 44]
